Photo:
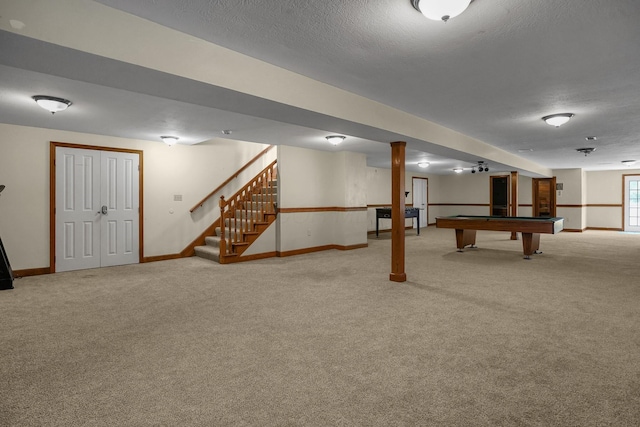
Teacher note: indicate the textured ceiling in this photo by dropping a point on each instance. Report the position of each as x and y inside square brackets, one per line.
[490, 73]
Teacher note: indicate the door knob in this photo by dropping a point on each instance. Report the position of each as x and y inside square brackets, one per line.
[103, 210]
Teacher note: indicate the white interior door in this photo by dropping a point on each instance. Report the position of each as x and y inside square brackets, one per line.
[77, 200]
[632, 203]
[119, 222]
[97, 205]
[420, 186]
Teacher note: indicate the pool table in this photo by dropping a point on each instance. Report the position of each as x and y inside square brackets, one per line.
[531, 228]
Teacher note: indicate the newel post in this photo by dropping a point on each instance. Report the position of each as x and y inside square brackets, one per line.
[223, 240]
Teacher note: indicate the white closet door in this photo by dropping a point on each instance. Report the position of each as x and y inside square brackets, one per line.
[97, 208]
[119, 189]
[77, 202]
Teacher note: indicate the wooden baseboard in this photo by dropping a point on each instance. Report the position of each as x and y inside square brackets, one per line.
[235, 259]
[31, 272]
[320, 248]
[161, 258]
[605, 228]
[573, 230]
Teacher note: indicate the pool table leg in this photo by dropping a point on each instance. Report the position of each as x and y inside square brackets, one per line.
[530, 244]
[464, 238]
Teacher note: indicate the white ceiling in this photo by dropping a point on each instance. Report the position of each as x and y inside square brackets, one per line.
[490, 73]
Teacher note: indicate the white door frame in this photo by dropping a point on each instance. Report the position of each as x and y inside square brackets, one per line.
[626, 178]
[52, 195]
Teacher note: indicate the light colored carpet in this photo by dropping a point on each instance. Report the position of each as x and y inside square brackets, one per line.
[480, 338]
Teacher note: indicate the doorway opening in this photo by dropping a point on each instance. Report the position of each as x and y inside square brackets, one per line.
[499, 195]
[420, 187]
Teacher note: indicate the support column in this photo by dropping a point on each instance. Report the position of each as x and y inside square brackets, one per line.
[397, 211]
[514, 200]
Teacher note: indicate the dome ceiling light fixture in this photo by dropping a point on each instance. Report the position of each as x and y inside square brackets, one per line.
[628, 163]
[169, 140]
[458, 170]
[586, 151]
[51, 103]
[558, 120]
[440, 10]
[423, 164]
[335, 139]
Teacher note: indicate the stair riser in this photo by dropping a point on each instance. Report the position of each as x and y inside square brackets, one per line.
[208, 254]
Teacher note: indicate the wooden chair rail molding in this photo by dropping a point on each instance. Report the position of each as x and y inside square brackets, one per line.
[231, 178]
[246, 209]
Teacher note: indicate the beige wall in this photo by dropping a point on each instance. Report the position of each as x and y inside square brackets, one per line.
[525, 195]
[378, 192]
[570, 202]
[190, 171]
[605, 188]
[310, 179]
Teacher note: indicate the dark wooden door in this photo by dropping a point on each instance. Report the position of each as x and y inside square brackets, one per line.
[544, 197]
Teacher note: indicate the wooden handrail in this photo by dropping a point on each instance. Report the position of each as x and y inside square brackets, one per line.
[231, 178]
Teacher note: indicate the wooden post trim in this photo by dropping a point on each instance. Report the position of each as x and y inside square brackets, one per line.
[397, 211]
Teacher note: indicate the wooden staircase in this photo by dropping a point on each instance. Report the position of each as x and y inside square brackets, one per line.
[243, 218]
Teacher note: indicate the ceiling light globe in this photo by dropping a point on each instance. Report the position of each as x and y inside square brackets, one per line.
[423, 164]
[557, 120]
[441, 10]
[335, 139]
[51, 103]
[169, 140]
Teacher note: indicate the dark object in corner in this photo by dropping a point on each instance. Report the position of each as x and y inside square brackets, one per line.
[6, 274]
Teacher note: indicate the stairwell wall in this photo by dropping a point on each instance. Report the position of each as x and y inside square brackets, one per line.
[322, 200]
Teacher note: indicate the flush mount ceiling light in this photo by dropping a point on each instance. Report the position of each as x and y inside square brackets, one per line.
[169, 140]
[51, 103]
[558, 120]
[586, 151]
[458, 170]
[423, 164]
[441, 10]
[628, 162]
[335, 139]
